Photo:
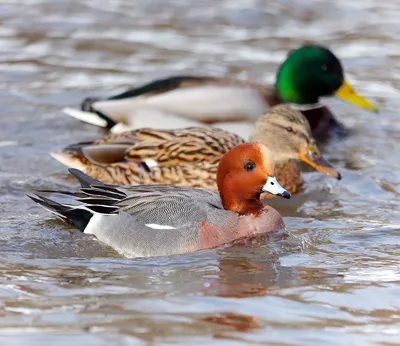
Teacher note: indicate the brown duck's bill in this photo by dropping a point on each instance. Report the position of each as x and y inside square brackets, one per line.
[346, 93]
[316, 161]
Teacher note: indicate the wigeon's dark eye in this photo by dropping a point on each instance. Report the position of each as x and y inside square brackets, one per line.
[249, 166]
[290, 129]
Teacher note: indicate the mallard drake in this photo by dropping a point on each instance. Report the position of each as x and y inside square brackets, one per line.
[161, 220]
[307, 74]
[189, 157]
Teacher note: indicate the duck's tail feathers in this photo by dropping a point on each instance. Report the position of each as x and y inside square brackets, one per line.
[69, 160]
[87, 104]
[92, 117]
[84, 179]
[94, 197]
[76, 148]
[75, 216]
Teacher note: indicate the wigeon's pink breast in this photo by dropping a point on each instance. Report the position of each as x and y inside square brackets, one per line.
[234, 228]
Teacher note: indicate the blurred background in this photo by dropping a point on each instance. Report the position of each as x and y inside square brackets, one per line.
[333, 281]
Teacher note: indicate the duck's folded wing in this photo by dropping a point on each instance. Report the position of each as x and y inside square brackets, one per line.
[172, 202]
[158, 147]
[171, 206]
[183, 146]
[135, 136]
[108, 150]
[156, 220]
[167, 153]
[160, 86]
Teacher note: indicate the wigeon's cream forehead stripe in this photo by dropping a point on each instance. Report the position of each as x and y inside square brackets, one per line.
[267, 158]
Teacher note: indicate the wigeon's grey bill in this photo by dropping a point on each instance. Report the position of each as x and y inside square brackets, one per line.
[272, 186]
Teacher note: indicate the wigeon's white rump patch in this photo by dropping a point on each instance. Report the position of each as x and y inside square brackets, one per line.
[157, 226]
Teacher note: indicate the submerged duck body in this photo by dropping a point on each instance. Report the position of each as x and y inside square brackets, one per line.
[308, 73]
[190, 157]
[159, 220]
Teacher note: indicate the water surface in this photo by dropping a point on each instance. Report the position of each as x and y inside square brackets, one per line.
[333, 281]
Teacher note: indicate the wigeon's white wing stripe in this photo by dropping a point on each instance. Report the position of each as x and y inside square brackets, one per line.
[157, 226]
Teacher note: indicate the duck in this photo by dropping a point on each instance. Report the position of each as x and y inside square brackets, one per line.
[164, 220]
[307, 74]
[189, 157]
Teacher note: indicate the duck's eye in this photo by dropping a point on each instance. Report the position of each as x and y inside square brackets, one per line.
[290, 129]
[249, 166]
[324, 67]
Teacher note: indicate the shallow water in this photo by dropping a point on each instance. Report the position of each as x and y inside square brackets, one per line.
[333, 281]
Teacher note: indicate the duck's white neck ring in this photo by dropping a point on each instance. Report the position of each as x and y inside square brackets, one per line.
[308, 107]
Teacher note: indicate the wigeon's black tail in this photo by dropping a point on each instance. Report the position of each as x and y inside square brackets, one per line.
[76, 217]
[100, 200]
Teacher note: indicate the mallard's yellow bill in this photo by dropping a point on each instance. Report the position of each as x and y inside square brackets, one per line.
[313, 157]
[346, 93]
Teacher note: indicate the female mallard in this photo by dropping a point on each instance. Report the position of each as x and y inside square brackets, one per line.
[189, 157]
[307, 74]
[159, 220]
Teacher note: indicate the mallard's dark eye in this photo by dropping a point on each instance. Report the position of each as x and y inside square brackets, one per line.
[249, 166]
[290, 129]
[324, 67]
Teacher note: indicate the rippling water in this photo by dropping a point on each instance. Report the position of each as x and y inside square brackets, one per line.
[333, 281]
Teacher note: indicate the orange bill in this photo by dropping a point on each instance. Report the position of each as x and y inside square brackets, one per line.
[313, 157]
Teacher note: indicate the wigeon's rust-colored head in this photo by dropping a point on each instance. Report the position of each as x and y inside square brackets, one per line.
[243, 174]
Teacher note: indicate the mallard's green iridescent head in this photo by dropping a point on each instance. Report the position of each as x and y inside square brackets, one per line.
[311, 72]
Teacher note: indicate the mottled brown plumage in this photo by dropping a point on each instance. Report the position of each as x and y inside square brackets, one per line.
[189, 157]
